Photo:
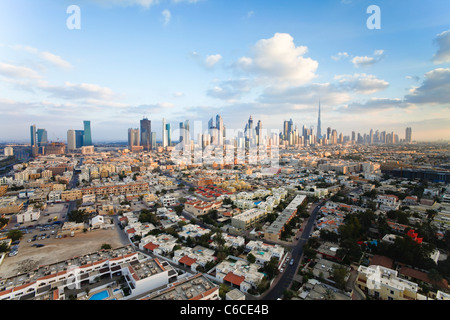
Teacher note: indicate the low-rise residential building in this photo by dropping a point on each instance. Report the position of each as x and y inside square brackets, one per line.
[239, 274]
[263, 252]
[248, 218]
[193, 257]
[10, 205]
[29, 215]
[385, 284]
[199, 208]
[195, 287]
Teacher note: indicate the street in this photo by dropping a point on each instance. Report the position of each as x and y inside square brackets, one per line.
[284, 280]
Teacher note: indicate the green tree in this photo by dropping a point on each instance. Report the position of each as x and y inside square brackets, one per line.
[14, 235]
[251, 258]
[339, 274]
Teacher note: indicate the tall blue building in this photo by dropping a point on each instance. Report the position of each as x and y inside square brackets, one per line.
[79, 138]
[42, 137]
[87, 137]
[33, 135]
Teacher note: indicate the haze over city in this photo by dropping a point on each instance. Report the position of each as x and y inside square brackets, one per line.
[190, 60]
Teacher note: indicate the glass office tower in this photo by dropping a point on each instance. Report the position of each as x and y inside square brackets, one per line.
[87, 137]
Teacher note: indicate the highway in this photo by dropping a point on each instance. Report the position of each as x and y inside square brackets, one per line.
[284, 280]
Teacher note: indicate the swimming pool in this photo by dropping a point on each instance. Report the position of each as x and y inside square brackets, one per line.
[100, 295]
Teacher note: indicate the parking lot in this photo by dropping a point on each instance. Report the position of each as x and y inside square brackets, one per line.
[30, 255]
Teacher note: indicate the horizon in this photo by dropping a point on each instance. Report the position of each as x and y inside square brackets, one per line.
[116, 61]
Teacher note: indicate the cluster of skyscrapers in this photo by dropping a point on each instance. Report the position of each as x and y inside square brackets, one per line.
[251, 135]
[292, 136]
[142, 138]
[79, 138]
[75, 139]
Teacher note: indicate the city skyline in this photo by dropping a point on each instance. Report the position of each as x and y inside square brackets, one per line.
[188, 60]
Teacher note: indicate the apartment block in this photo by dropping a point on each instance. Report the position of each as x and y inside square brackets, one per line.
[248, 218]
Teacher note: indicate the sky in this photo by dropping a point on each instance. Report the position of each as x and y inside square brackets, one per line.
[114, 62]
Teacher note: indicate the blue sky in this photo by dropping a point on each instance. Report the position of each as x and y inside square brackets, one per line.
[193, 59]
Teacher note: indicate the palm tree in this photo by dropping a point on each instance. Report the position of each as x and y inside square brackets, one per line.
[329, 294]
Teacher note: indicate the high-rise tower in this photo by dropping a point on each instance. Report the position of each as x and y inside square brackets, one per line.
[319, 125]
[408, 135]
[146, 129]
[87, 138]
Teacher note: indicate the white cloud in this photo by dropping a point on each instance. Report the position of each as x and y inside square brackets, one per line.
[72, 91]
[209, 62]
[13, 71]
[361, 83]
[365, 61]
[435, 88]
[279, 61]
[442, 55]
[308, 95]
[143, 3]
[340, 56]
[45, 55]
[146, 4]
[230, 90]
[212, 60]
[374, 105]
[167, 15]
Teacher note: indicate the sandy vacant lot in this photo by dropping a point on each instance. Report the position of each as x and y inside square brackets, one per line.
[55, 250]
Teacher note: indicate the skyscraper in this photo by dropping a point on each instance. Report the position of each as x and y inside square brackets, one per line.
[33, 135]
[42, 137]
[87, 137]
[146, 129]
[169, 141]
[164, 133]
[133, 137]
[319, 125]
[220, 129]
[408, 135]
[71, 140]
[79, 138]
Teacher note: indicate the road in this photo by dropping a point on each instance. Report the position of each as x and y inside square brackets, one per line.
[284, 280]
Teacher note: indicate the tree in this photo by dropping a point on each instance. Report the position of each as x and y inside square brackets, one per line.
[106, 246]
[339, 274]
[251, 258]
[14, 234]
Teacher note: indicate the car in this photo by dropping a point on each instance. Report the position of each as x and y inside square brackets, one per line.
[15, 242]
[39, 245]
[12, 253]
[29, 240]
[281, 270]
[291, 262]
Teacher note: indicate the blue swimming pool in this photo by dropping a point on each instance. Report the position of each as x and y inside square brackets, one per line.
[100, 295]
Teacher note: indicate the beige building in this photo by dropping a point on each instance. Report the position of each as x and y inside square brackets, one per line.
[9, 205]
[384, 283]
[71, 195]
[117, 189]
[248, 218]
